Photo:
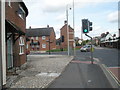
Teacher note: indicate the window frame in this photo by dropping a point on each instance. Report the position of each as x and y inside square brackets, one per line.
[21, 15]
[36, 38]
[43, 37]
[43, 45]
[21, 45]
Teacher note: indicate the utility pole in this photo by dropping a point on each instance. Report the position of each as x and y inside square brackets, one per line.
[3, 45]
[49, 45]
[74, 28]
[67, 30]
[91, 49]
[0, 51]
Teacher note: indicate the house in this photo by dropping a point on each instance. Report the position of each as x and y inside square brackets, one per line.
[108, 40]
[41, 39]
[15, 27]
[64, 36]
[96, 40]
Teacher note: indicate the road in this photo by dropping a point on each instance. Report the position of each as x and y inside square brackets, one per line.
[107, 56]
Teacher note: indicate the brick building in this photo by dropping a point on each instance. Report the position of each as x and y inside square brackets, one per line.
[15, 25]
[64, 36]
[41, 39]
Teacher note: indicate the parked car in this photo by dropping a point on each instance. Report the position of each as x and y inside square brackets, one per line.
[86, 48]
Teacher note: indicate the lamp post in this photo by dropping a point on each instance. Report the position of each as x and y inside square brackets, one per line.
[49, 44]
[3, 49]
[0, 52]
[67, 30]
[74, 29]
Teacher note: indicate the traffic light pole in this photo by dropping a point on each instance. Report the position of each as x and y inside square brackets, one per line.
[91, 49]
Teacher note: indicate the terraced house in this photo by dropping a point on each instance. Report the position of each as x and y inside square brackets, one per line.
[41, 39]
[15, 26]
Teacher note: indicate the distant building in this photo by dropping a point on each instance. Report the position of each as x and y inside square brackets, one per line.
[64, 36]
[15, 25]
[108, 40]
[96, 40]
[41, 39]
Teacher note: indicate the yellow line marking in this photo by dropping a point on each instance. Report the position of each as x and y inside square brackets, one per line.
[113, 76]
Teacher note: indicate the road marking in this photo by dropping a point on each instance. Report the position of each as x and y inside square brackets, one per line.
[116, 80]
[96, 59]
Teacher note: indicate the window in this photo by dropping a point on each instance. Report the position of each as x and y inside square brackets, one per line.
[43, 45]
[21, 12]
[32, 38]
[43, 37]
[36, 38]
[21, 44]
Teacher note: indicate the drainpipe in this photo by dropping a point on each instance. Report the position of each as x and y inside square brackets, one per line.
[3, 45]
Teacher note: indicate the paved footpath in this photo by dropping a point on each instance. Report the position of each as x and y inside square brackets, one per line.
[82, 74]
[40, 71]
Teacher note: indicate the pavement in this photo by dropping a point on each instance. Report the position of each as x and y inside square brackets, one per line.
[83, 74]
[61, 71]
[39, 71]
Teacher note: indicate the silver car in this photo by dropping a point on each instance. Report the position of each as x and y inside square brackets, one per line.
[86, 48]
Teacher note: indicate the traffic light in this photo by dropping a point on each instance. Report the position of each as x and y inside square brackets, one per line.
[85, 28]
[90, 25]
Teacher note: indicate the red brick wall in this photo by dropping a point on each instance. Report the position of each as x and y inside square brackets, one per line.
[12, 16]
[52, 44]
[19, 59]
[63, 32]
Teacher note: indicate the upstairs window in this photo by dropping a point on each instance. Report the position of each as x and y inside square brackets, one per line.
[32, 38]
[43, 37]
[36, 38]
[21, 12]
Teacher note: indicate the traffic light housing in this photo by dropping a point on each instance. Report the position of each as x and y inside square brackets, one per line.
[90, 25]
[85, 28]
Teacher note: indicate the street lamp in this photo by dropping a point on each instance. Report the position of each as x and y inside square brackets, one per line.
[49, 44]
[67, 29]
[74, 28]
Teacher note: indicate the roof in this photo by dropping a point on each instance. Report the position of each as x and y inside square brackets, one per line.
[33, 32]
[68, 26]
[13, 28]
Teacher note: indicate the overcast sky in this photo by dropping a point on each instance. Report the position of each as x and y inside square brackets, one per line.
[103, 14]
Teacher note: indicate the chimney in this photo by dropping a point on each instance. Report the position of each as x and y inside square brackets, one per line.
[47, 26]
[29, 27]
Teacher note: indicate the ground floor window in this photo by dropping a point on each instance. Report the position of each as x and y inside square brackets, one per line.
[43, 45]
[21, 44]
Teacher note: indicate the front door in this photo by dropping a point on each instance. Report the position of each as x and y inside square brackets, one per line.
[9, 53]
